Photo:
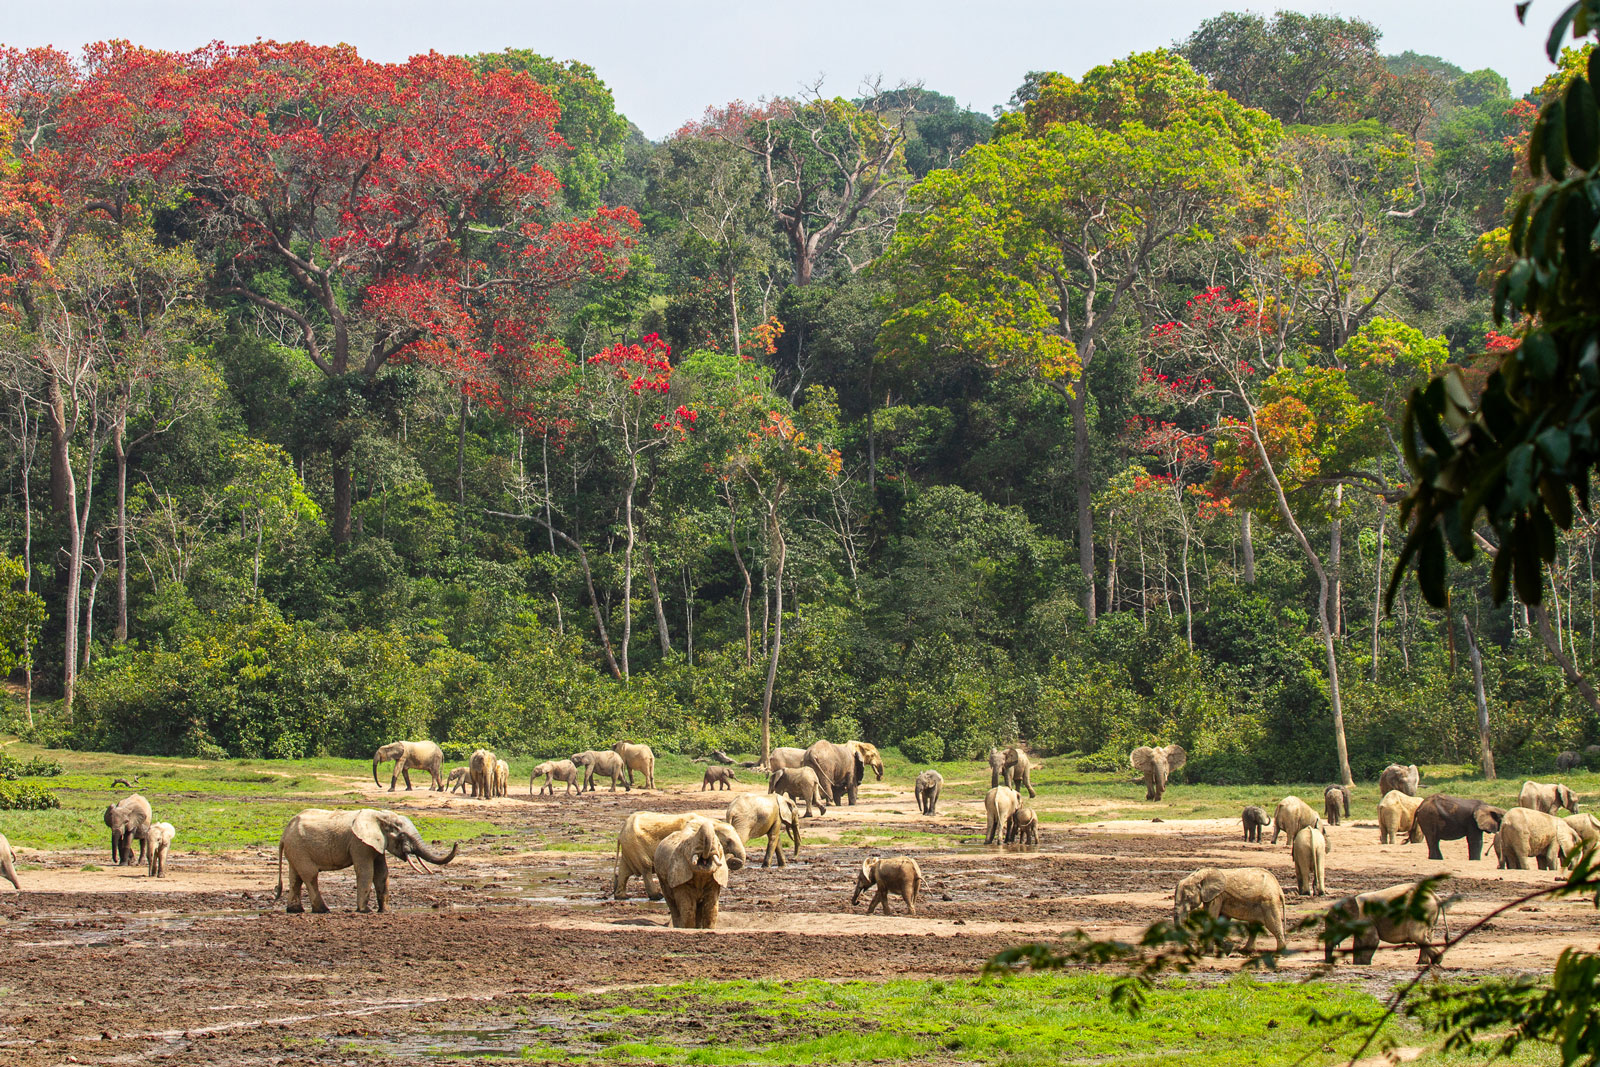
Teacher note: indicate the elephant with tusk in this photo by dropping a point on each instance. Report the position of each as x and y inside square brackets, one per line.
[318, 840]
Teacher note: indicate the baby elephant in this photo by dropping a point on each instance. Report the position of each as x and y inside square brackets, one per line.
[459, 780]
[1248, 894]
[1255, 820]
[1380, 907]
[898, 875]
[717, 778]
[161, 835]
[1334, 799]
[1023, 828]
[927, 791]
[798, 783]
[1310, 852]
[557, 770]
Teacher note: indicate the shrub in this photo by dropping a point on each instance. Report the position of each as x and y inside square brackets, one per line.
[27, 796]
[12, 768]
[923, 748]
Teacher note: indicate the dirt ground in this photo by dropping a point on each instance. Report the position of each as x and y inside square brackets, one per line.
[111, 967]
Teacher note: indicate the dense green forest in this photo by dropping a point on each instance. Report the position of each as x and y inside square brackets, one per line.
[347, 401]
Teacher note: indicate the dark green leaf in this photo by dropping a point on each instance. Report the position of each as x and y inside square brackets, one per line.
[1556, 446]
[1527, 574]
[1583, 124]
[1519, 477]
[1538, 355]
[1558, 31]
[1430, 568]
[1500, 576]
[1557, 501]
[1553, 134]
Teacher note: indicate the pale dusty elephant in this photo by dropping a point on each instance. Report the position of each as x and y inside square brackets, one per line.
[1255, 819]
[1397, 814]
[639, 758]
[556, 770]
[1291, 816]
[1547, 798]
[1335, 800]
[779, 758]
[799, 783]
[502, 778]
[899, 874]
[869, 756]
[161, 835]
[840, 768]
[409, 756]
[1156, 766]
[999, 804]
[997, 767]
[1414, 927]
[718, 778]
[129, 820]
[692, 865]
[480, 773]
[459, 779]
[926, 790]
[8, 863]
[636, 848]
[318, 840]
[1310, 853]
[765, 815]
[1023, 827]
[1247, 894]
[1406, 779]
[1587, 827]
[1526, 834]
[605, 764]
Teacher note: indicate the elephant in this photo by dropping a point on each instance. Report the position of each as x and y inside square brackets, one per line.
[636, 848]
[8, 863]
[779, 758]
[899, 874]
[605, 764]
[161, 835]
[556, 770]
[1404, 779]
[1156, 765]
[502, 778]
[1023, 826]
[756, 815]
[1310, 852]
[800, 783]
[839, 768]
[1335, 798]
[480, 773]
[318, 840]
[926, 790]
[1378, 907]
[1442, 817]
[997, 767]
[1587, 827]
[1255, 820]
[1547, 798]
[459, 779]
[639, 758]
[129, 820]
[409, 756]
[1018, 772]
[1528, 834]
[1397, 814]
[692, 865]
[1000, 804]
[1290, 817]
[718, 778]
[1569, 760]
[1248, 894]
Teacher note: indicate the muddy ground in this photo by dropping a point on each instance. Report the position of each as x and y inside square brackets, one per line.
[109, 966]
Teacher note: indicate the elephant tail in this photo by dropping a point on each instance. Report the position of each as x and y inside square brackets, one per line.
[279, 894]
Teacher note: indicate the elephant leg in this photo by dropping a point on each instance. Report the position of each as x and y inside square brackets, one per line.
[364, 867]
[1433, 846]
[1474, 844]
[880, 897]
[651, 889]
[380, 880]
[295, 907]
[318, 906]
[406, 774]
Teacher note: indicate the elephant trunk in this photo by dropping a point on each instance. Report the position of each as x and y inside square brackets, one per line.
[417, 846]
[375, 770]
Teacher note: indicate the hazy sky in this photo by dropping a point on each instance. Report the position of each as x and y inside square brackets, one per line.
[666, 61]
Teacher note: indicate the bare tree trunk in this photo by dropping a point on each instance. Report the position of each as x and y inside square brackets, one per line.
[1485, 749]
[1377, 593]
[461, 472]
[1247, 547]
[29, 443]
[733, 307]
[744, 572]
[1111, 575]
[88, 611]
[1335, 555]
[655, 597]
[688, 617]
[1082, 483]
[627, 564]
[780, 551]
[121, 634]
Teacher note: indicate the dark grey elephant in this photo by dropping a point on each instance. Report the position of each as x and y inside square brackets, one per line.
[839, 769]
[927, 788]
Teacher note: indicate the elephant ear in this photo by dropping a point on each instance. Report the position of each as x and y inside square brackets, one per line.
[1143, 759]
[1569, 799]
[368, 829]
[1211, 887]
[1176, 757]
[1488, 818]
[869, 870]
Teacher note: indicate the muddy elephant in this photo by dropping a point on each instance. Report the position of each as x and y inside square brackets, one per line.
[1310, 853]
[926, 790]
[1247, 894]
[1405, 779]
[502, 778]
[765, 815]
[1018, 772]
[480, 773]
[129, 820]
[1000, 804]
[459, 779]
[799, 783]
[1156, 765]
[779, 758]
[1587, 827]
[161, 835]
[1569, 761]
[1397, 814]
[1291, 816]
[899, 874]
[605, 764]
[1379, 907]
[1335, 799]
[636, 848]
[1023, 826]
[1547, 798]
[1526, 834]
[553, 771]
[8, 863]
[410, 756]
[692, 865]
[1442, 817]
[718, 778]
[318, 840]
[839, 768]
[997, 767]
[1255, 820]
[641, 758]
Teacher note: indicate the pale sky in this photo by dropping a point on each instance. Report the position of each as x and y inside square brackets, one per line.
[666, 61]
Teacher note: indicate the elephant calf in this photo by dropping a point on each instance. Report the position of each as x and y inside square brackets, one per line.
[717, 778]
[1255, 820]
[1569, 761]
[318, 840]
[1000, 805]
[1397, 814]
[1291, 816]
[8, 863]
[1310, 852]
[897, 875]
[643, 831]
[926, 790]
[556, 770]
[459, 779]
[1248, 894]
[692, 865]
[756, 815]
[161, 835]
[1023, 827]
[1547, 798]
[605, 765]
[799, 783]
[1380, 907]
[129, 820]
[1335, 798]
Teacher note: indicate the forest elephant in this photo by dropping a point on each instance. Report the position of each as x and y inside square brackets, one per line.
[1397, 814]
[997, 767]
[718, 778]
[641, 758]
[459, 779]
[1156, 766]
[898, 874]
[1569, 761]
[129, 820]
[926, 790]
[318, 840]
[1335, 799]
[1018, 773]
[799, 783]
[1406, 779]
[1310, 852]
[480, 773]
[1526, 834]
[765, 815]
[839, 769]
[636, 848]
[1291, 816]
[553, 771]
[1000, 804]
[410, 756]
[1547, 798]
[502, 778]
[605, 764]
[1587, 827]
[1023, 826]
[1442, 817]
[1246, 894]
[779, 758]
[692, 865]
[161, 835]
[1255, 820]
[1382, 909]
[8, 863]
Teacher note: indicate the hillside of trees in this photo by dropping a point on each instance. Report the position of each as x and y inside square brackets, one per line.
[347, 401]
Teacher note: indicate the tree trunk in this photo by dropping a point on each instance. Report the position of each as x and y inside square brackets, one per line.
[780, 551]
[29, 446]
[461, 473]
[627, 565]
[1247, 547]
[1335, 554]
[1081, 480]
[121, 453]
[1111, 575]
[342, 493]
[733, 308]
[1377, 593]
[655, 597]
[1485, 749]
[744, 572]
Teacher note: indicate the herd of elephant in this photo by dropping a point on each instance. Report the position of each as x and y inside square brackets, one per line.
[487, 776]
